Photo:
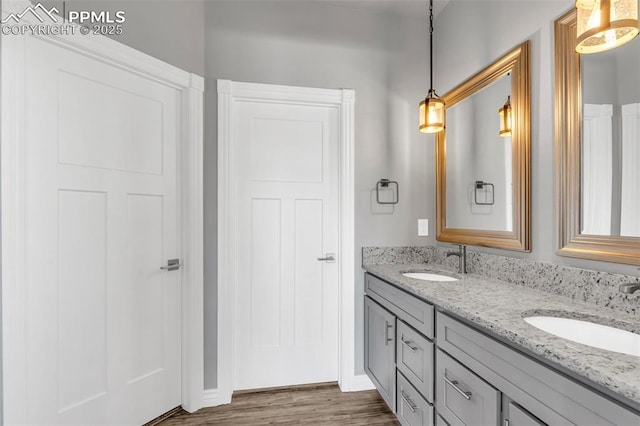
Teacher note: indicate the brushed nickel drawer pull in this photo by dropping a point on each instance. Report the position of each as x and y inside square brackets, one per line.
[412, 406]
[454, 384]
[409, 344]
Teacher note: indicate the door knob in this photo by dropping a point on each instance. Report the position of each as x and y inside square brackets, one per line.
[172, 265]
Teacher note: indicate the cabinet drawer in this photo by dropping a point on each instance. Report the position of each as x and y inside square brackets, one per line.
[414, 355]
[415, 312]
[413, 409]
[517, 416]
[462, 397]
[440, 421]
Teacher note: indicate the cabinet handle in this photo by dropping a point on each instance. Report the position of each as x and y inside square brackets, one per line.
[506, 422]
[409, 344]
[454, 384]
[387, 339]
[412, 406]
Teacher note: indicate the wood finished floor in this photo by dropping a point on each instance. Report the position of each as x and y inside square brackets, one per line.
[320, 404]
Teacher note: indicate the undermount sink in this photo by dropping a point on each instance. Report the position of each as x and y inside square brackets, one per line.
[589, 333]
[428, 276]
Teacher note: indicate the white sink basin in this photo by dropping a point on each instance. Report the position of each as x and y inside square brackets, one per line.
[589, 333]
[428, 276]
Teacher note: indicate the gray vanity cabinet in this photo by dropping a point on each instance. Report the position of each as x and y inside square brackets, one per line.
[402, 370]
[469, 376]
[380, 349]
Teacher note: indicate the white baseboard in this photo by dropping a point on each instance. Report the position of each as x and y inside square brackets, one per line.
[357, 383]
[213, 398]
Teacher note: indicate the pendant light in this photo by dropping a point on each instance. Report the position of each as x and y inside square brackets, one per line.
[432, 111]
[605, 24]
[505, 118]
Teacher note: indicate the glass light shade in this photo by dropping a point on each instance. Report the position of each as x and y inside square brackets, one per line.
[505, 119]
[432, 113]
[605, 24]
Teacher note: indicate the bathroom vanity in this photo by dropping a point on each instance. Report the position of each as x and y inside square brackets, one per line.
[460, 353]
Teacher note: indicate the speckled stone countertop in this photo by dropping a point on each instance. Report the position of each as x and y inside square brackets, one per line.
[499, 308]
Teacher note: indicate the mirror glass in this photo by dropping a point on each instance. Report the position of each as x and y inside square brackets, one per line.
[597, 127]
[479, 172]
[482, 178]
[610, 149]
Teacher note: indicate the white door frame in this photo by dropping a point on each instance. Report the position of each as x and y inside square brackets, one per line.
[13, 126]
[229, 93]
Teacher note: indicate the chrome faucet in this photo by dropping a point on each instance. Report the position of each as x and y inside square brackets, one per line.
[629, 288]
[462, 258]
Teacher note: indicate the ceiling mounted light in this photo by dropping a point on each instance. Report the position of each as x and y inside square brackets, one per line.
[605, 24]
[505, 118]
[432, 111]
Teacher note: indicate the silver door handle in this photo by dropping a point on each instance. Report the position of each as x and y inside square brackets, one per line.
[172, 265]
[387, 339]
[329, 257]
[454, 384]
[412, 406]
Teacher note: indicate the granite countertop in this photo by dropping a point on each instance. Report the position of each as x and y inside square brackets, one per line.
[499, 308]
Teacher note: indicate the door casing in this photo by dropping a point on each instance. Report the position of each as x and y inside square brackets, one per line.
[230, 92]
[13, 161]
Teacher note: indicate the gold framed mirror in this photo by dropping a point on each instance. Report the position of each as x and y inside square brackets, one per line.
[596, 220]
[483, 179]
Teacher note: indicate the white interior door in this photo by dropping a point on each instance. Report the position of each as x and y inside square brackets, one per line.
[285, 158]
[103, 321]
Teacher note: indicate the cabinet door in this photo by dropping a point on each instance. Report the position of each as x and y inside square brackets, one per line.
[462, 398]
[380, 350]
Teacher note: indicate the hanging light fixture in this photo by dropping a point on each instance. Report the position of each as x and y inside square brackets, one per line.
[432, 111]
[505, 118]
[605, 24]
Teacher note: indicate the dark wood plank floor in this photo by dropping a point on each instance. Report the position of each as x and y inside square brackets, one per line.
[320, 404]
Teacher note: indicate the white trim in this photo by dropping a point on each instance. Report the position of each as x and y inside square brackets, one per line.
[12, 204]
[211, 398]
[361, 382]
[192, 227]
[230, 92]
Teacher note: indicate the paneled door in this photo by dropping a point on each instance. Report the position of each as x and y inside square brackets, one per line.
[287, 291]
[103, 320]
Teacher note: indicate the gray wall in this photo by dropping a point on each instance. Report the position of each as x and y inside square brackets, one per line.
[311, 44]
[172, 31]
[472, 34]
